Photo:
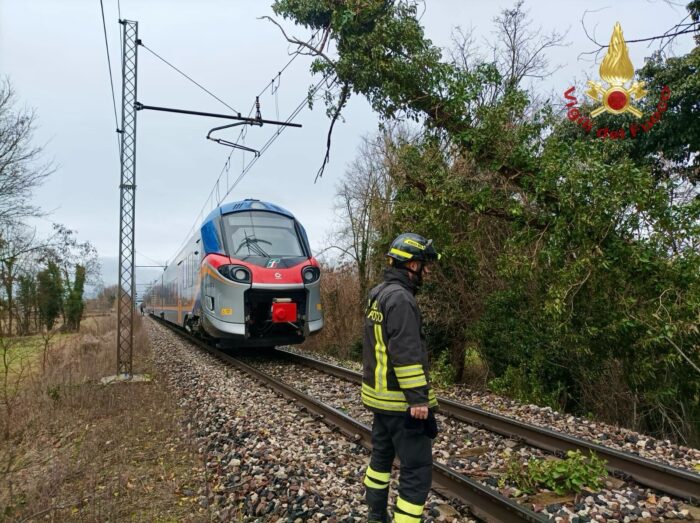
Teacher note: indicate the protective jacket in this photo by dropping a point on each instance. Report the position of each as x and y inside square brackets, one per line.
[395, 358]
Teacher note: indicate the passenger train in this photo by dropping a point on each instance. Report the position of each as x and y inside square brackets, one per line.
[246, 278]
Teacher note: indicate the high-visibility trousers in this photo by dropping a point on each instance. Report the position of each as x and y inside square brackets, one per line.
[391, 438]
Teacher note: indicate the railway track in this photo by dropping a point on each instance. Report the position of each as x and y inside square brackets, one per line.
[485, 503]
[678, 482]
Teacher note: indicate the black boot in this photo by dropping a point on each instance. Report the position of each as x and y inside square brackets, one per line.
[377, 517]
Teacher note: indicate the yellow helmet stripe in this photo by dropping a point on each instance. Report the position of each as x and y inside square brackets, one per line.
[414, 243]
[401, 253]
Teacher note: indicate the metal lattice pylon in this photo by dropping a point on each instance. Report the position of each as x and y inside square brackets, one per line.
[127, 204]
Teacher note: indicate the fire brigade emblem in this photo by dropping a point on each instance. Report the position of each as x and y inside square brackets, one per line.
[616, 70]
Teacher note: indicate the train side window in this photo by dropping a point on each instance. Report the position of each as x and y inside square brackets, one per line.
[192, 270]
[189, 270]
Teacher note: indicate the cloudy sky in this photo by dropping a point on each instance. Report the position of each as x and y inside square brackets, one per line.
[53, 52]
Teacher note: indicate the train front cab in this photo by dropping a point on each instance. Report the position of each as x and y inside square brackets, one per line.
[260, 285]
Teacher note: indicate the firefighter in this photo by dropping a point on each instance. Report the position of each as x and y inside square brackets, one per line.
[395, 383]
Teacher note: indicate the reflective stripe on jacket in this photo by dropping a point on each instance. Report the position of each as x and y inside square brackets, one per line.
[395, 359]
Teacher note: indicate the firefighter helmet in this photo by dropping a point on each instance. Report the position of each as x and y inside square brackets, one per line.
[408, 246]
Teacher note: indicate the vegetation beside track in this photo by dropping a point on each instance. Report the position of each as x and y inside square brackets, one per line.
[570, 274]
[74, 449]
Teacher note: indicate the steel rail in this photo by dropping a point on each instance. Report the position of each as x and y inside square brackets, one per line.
[485, 503]
[672, 480]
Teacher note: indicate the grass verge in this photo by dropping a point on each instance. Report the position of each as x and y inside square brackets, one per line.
[72, 449]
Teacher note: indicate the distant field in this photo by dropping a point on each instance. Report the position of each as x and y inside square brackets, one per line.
[26, 352]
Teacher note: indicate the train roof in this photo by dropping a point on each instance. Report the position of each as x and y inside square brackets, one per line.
[247, 205]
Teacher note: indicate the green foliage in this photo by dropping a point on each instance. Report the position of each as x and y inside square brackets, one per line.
[383, 55]
[569, 475]
[26, 302]
[677, 133]
[74, 303]
[442, 372]
[54, 392]
[356, 350]
[570, 262]
[50, 294]
[613, 279]
[527, 384]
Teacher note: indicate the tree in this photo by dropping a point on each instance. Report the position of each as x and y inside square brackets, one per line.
[50, 294]
[21, 170]
[363, 203]
[677, 133]
[105, 299]
[74, 304]
[571, 263]
[26, 303]
[64, 248]
[517, 53]
[18, 244]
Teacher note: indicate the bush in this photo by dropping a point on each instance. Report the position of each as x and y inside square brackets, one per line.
[516, 383]
[442, 372]
[560, 476]
[342, 331]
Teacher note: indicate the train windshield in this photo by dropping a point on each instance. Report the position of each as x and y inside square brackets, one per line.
[263, 234]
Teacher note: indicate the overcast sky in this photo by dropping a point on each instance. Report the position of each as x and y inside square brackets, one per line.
[53, 52]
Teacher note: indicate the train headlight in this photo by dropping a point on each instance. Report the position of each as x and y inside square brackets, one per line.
[310, 274]
[235, 273]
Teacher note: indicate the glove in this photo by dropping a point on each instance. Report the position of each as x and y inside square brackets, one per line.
[428, 426]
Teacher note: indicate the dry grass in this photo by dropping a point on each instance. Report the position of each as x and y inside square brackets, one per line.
[74, 450]
[342, 331]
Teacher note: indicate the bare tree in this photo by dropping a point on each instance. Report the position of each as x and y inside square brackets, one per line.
[66, 251]
[21, 167]
[519, 50]
[364, 200]
[17, 244]
[47, 335]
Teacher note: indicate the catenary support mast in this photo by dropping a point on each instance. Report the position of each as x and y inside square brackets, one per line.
[127, 189]
[127, 203]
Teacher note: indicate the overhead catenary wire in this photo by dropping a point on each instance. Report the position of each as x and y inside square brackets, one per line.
[246, 168]
[272, 139]
[111, 77]
[159, 262]
[187, 76]
[241, 134]
[209, 200]
[271, 85]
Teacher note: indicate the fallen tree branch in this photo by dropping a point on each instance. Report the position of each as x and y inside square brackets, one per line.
[344, 94]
